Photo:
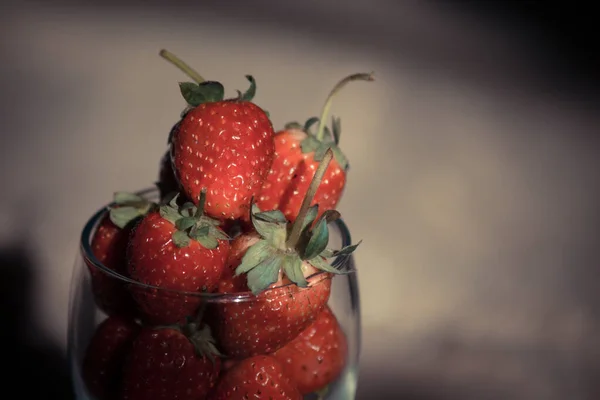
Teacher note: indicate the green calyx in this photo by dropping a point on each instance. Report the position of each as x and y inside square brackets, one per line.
[272, 253]
[330, 140]
[199, 336]
[210, 91]
[201, 91]
[287, 247]
[192, 224]
[127, 208]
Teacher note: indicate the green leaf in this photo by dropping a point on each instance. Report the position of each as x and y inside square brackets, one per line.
[208, 338]
[122, 216]
[211, 348]
[173, 202]
[328, 253]
[197, 233]
[280, 236]
[327, 134]
[169, 197]
[274, 216]
[311, 214]
[336, 128]
[123, 198]
[204, 343]
[321, 150]
[191, 93]
[319, 263]
[217, 233]
[169, 213]
[292, 267]
[187, 206]
[292, 125]
[310, 144]
[185, 223]
[264, 274]
[255, 255]
[318, 240]
[180, 239]
[340, 157]
[309, 123]
[251, 92]
[208, 242]
[268, 230]
[346, 250]
[212, 91]
[254, 208]
[209, 221]
[206, 334]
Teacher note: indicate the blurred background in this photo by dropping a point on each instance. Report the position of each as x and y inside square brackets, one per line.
[473, 182]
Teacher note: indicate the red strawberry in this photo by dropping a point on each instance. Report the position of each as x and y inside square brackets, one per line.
[297, 155]
[178, 249]
[109, 245]
[317, 356]
[261, 324]
[286, 260]
[105, 355]
[171, 363]
[225, 146]
[258, 377]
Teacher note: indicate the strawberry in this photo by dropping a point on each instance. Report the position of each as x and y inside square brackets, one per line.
[262, 324]
[317, 356]
[105, 355]
[286, 270]
[179, 362]
[225, 146]
[109, 244]
[177, 249]
[297, 153]
[258, 377]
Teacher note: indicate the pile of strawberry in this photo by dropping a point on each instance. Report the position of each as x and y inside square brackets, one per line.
[244, 212]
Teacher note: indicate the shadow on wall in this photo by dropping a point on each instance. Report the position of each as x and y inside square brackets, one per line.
[36, 367]
[566, 59]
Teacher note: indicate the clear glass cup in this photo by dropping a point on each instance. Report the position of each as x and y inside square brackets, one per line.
[86, 313]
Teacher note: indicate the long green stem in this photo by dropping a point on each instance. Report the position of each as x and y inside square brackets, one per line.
[336, 88]
[176, 61]
[310, 194]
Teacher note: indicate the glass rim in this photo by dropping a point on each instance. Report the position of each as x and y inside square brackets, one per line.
[91, 260]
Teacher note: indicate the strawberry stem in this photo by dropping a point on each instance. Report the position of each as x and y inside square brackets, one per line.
[336, 88]
[176, 61]
[201, 202]
[310, 194]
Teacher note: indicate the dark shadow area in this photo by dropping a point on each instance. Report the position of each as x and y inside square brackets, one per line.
[556, 52]
[564, 32]
[30, 357]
